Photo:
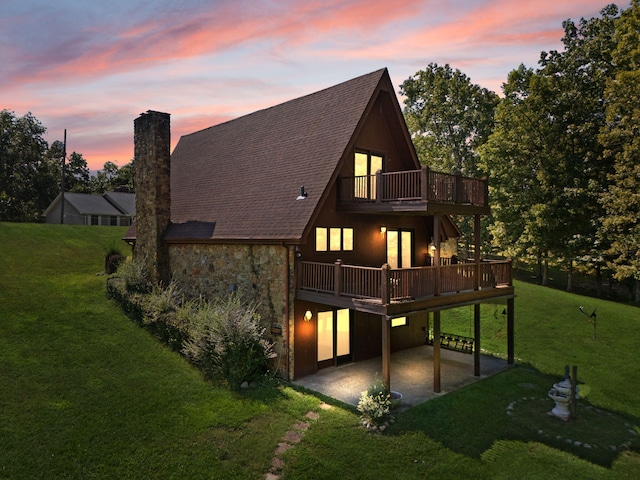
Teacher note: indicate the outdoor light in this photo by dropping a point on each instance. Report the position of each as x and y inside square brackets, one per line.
[308, 315]
[383, 230]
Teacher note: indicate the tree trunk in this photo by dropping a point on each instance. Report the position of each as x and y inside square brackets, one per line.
[637, 290]
[570, 277]
[545, 272]
[539, 272]
[599, 280]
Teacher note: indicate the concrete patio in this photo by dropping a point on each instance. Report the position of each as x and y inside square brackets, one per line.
[411, 375]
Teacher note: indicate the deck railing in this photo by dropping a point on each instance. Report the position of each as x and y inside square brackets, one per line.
[388, 285]
[414, 185]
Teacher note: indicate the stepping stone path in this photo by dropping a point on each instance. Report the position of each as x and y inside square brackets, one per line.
[291, 438]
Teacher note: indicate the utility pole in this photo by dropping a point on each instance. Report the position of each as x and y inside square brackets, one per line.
[64, 157]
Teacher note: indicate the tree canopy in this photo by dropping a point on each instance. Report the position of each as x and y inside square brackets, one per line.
[448, 117]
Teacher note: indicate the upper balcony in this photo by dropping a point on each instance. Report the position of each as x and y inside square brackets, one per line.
[423, 192]
[388, 291]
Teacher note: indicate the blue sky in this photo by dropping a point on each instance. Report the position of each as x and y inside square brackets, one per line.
[92, 67]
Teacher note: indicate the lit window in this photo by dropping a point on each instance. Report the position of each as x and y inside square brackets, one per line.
[334, 239]
[321, 239]
[399, 321]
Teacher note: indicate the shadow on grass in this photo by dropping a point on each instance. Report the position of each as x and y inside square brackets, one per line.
[513, 405]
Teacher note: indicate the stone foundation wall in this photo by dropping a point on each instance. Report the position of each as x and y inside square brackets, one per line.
[259, 272]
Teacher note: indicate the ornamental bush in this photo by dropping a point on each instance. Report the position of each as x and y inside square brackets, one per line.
[375, 406]
[227, 340]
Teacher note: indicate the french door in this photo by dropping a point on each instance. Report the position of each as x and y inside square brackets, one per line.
[334, 338]
[400, 248]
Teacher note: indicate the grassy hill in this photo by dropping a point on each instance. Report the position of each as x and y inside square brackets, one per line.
[85, 393]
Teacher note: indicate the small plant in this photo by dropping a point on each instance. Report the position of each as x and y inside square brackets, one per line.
[375, 407]
[113, 258]
[226, 338]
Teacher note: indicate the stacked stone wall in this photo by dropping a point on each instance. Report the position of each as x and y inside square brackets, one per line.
[258, 272]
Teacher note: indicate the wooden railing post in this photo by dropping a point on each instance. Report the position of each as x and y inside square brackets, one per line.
[459, 189]
[337, 278]
[424, 183]
[385, 287]
[436, 253]
[485, 183]
[379, 186]
[476, 250]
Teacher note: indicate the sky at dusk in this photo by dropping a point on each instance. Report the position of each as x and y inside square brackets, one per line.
[93, 67]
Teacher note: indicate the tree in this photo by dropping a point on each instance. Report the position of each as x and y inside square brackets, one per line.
[27, 176]
[448, 118]
[113, 178]
[549, 121]
[620, 228]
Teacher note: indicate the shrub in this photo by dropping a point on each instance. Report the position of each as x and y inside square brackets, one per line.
[375, 407]
[135, 277]
[226, 338]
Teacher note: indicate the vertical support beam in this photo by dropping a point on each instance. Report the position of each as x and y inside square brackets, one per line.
[385, 288]
[424, 183]
[379, 186]
[386, 351]
[436, 254]
[337, 278]
[510, 336]
[436, 351]
[476, 250]
[476, 340]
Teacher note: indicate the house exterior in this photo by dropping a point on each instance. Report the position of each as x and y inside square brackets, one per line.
[110, 209]
[319, 209]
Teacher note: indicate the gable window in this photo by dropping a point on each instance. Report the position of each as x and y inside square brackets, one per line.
[334, 239]
[366, 164]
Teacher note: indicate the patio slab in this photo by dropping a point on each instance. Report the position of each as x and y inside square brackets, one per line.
[411, 375]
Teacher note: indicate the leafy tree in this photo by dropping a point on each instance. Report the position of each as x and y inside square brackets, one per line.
[113, 178]
[620, 228]
[448, 117]
[27, 176]
[546, 136]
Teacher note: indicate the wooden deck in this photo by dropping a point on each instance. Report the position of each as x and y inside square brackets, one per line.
[389, 291]
[415, 191]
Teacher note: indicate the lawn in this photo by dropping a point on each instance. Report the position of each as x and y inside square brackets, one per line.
[86, 393]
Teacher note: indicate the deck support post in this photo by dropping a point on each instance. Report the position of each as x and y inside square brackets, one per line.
[386, 351]
[510, 324]
[436, 351]
[337, 278]
[476, 250]
[436, 254]
[476, 339]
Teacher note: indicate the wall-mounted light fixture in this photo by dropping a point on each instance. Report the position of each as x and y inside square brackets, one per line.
[383, 230]
[307, 315]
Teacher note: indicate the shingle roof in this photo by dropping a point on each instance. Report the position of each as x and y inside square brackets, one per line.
[125, 202]
[245, 175]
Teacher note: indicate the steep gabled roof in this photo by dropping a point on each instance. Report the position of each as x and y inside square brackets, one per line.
[245, 175]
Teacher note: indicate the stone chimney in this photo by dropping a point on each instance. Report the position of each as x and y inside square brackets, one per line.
[152, 154]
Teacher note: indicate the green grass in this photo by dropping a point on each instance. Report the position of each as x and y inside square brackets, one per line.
[85, 393]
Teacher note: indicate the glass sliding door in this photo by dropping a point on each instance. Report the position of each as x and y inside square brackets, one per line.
[334, 338]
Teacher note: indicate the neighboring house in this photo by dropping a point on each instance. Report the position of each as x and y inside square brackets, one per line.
[111, 209]
[319, 209]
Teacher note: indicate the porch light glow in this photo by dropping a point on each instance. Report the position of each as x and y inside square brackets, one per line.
[383, 230]
[308, 315]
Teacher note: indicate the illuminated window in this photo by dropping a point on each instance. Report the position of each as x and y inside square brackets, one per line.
[321, 239]
[334, 239]
[398, 322]
[365, 166]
